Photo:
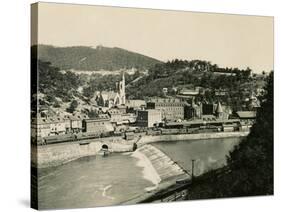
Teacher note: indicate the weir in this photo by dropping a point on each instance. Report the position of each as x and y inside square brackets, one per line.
[164, 165]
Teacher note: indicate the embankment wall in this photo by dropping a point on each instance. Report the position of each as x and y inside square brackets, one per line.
[180, 137]
[58, 154]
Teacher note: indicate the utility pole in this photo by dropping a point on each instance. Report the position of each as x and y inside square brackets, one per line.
[192, 169]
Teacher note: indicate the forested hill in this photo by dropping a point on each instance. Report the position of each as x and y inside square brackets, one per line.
[94, 59]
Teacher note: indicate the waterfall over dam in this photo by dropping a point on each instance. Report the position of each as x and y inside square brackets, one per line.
[163, 165]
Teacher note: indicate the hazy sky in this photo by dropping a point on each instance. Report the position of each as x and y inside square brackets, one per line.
[228, 40]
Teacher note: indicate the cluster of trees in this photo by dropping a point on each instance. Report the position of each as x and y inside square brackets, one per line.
[100, 82]
[168, 68]
[53, 83]
[88, 58]
[249, 169]
[72, 107]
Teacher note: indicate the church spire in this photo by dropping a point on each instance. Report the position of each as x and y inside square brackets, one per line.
[122, 91]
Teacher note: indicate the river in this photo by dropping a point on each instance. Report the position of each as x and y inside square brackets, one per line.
[208, 154]
[102, 181]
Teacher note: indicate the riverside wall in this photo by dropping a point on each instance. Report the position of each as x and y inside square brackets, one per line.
[186, 137]
[58, 154]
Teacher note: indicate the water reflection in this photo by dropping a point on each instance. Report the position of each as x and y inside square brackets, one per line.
[208, 154]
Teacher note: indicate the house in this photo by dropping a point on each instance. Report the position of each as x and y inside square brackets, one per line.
[57, 125]
[115, 116]
[40, 127]
[246, 117]
[135, 103]
[76, 122]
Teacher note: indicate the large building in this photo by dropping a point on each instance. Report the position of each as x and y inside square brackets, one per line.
[99, 125]
[171, 108]
[148, 118]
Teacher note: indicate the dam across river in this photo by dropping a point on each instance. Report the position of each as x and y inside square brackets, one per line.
[98, 181]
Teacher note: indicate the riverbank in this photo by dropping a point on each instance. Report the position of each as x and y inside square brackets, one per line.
[58, 154]
[186, 137]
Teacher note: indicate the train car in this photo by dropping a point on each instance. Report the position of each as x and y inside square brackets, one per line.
[88, 135]
[129, 135]
[183, 131]
[208, 130]
[193, 130]
[170, 131]
[153, 132]
[59, 138]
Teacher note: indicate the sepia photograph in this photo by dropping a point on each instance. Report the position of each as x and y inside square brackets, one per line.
[132, 106]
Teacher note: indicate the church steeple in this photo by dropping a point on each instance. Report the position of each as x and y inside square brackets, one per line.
[120, 98]
[122, 90]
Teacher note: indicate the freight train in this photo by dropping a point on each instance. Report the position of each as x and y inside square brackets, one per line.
[189, 130]
[53, 139]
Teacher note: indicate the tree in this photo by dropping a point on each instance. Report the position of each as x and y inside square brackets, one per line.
[99, 100]
[93, 114]
[251, 162]
[72, 107]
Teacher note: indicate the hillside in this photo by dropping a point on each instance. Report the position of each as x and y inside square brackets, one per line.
[249, 169]
[177, 74]
[59, 87]
[93, 59]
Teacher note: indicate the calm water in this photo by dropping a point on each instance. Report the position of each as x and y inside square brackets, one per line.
[100, 181]
[208, 154]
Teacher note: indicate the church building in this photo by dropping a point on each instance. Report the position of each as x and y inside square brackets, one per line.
[120, 98]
